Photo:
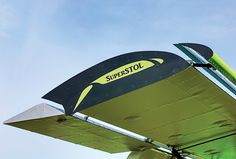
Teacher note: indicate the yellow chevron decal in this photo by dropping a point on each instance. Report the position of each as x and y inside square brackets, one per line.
[119, 73]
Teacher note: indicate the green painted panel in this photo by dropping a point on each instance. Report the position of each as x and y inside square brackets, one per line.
[220, 149]
[219, 64]
[148, 154]
[77, 131]
[181, 110]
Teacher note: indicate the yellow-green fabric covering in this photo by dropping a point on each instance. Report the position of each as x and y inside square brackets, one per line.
[148, 154]
[184, 109]
[219, 64]
[73, 130]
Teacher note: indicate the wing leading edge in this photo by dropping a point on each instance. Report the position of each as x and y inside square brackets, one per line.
[152, 93]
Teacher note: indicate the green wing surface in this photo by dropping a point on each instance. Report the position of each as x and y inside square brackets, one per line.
[50, 121]
[155, 94]
[224, 148]
[148, 154]
[180, 109]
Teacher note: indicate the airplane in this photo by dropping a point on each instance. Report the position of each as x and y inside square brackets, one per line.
[155, 104]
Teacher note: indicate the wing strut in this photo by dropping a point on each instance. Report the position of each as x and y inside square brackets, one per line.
[119, 130]
[160, 147]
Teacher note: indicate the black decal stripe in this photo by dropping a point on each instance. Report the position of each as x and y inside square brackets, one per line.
[68, 92]
[203, 50]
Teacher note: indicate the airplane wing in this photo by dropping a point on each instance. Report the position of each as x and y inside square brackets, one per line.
[158, 95]
[203, 55]
[50, 121]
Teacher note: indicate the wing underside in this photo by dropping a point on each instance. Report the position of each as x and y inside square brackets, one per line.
[50, 121]
[158, 95]
[190, 109]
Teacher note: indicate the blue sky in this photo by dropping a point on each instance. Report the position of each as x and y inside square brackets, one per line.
[45, 42]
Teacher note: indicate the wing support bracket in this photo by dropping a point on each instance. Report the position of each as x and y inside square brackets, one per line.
[176, 154]
[202, 65]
